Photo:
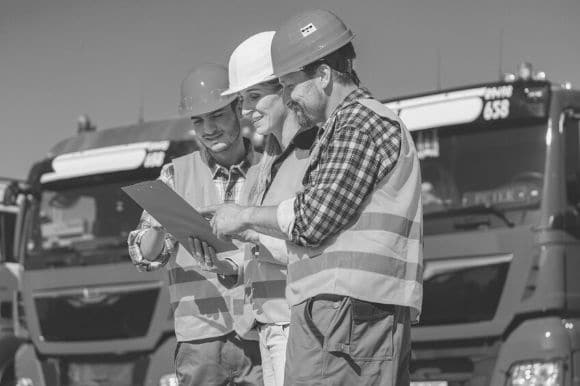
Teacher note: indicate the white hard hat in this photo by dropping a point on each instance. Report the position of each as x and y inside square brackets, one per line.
[251, 63]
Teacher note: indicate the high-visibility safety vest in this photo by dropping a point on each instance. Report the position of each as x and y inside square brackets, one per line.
[266, 281]
[378, 257]
[202, 306]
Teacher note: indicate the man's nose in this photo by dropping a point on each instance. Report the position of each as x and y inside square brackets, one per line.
[209, 127]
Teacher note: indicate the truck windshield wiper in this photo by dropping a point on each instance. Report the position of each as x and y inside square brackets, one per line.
[476, 209]
[61, 256]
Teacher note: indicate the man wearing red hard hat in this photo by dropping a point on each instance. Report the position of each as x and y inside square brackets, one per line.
[209, 351]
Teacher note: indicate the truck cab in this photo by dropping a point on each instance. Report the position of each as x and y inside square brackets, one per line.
[501, 193]
[87, 316]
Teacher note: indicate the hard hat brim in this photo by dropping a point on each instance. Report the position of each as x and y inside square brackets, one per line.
[299, 62]
[242, 87]
[207, 107]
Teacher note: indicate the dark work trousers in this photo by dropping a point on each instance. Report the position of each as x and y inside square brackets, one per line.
[226, 360]
[337, 340]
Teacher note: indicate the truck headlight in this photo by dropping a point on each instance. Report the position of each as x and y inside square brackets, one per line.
[536, 374]
[168, 380]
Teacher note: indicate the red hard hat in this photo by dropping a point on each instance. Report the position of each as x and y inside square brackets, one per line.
[306, 38]
[202, 88]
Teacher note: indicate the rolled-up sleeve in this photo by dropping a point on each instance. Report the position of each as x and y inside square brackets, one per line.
[147, 222]
[285, 216]
[238, 257]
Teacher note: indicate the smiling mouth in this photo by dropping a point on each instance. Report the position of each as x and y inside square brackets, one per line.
[212, 137]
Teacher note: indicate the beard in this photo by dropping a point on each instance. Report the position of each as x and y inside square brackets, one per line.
[304, 120]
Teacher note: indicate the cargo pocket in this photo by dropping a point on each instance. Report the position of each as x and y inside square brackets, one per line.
[371, 331]
[362, 334]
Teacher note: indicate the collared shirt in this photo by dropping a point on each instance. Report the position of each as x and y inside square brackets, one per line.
[303, 140]
[356, 150]
[229, 183]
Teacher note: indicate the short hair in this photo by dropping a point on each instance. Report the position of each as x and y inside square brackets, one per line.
[274, 84]
[340, 61]
[234, 103]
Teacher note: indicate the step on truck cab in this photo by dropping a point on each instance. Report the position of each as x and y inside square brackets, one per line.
[86, 314]
[501, 193]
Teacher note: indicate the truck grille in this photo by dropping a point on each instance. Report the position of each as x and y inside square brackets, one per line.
[118, 373]
[91, 314]
[95, 370]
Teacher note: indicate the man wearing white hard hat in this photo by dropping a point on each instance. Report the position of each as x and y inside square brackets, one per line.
[289, 138]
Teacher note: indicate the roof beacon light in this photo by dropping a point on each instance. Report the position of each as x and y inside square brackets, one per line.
[540, 75]
[509, 77]
[84, 124]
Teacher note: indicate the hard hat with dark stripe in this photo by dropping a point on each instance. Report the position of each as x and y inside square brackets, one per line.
[306, 38]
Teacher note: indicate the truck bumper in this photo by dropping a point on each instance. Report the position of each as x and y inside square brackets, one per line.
[136, 369]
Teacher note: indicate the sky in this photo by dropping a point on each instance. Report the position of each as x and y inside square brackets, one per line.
[106, 58]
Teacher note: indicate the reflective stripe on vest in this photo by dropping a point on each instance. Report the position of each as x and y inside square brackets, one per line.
[379, 256]
[268, 280]
[201, 304]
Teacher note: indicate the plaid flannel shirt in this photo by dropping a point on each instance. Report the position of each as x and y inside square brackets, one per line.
[356, 150]
[229, 183]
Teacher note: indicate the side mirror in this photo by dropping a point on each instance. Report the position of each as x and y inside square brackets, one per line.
[570, 124]
[9, 190]
[7, 233]
[10, 217]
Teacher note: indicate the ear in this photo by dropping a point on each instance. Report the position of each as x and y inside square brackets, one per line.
[239, 103]
[324, 73]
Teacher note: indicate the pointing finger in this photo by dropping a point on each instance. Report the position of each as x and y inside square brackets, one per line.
[207, 254]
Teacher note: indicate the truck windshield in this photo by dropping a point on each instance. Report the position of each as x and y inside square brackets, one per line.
[75, 221]
[472, 167]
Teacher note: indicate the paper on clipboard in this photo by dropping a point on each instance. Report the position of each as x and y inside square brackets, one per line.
[175, 214]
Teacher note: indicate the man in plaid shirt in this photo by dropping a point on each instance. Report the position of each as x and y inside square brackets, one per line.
[338, 339]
